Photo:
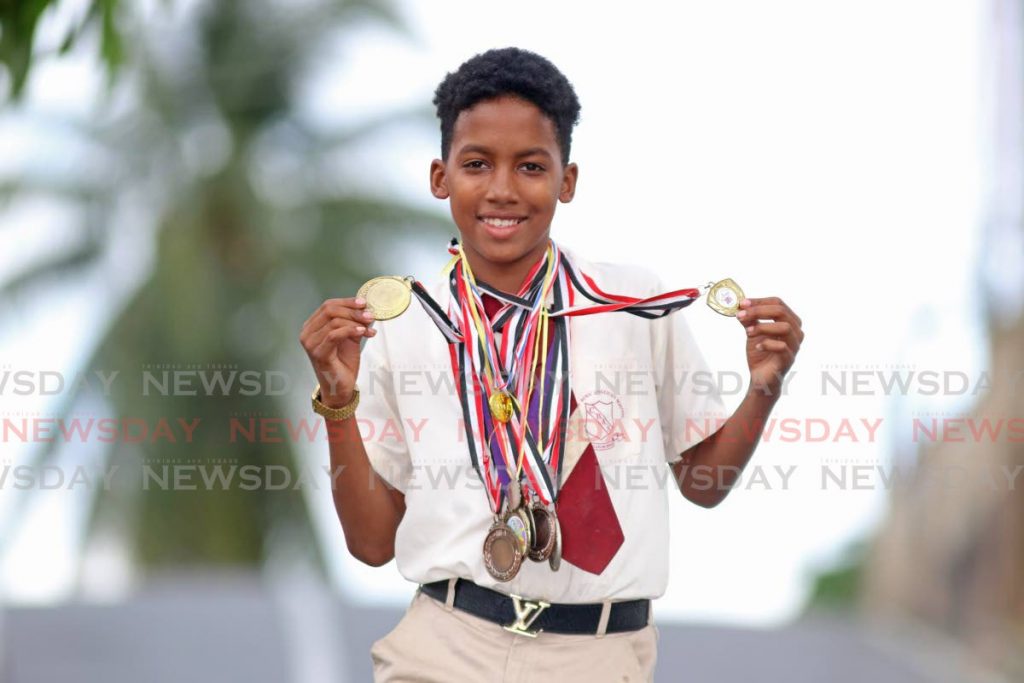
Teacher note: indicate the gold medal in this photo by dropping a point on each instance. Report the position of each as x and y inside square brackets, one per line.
[500, 403]
[387, 296]
[725, 296]
[521, 524]
[544, 535]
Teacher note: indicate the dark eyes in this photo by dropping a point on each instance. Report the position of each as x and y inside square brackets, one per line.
[529, 166]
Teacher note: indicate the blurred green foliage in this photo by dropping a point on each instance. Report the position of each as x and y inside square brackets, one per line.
[251, 224]
[19, 20]
[838, 588]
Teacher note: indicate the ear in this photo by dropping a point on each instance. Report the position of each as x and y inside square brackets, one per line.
[568, 189]
[438, 179]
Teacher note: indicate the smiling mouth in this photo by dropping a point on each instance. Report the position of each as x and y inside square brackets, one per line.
[500, 223]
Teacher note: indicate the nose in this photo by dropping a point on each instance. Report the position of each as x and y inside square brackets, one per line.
[501, 189]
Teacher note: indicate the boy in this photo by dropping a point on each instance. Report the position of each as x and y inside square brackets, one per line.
[419, 481]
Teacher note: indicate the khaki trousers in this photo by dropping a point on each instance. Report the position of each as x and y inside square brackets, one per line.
[435, 643]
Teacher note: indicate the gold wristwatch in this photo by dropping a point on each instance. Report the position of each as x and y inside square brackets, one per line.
[342, 413]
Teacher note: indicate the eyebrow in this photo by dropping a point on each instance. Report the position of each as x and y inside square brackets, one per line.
[468, 149]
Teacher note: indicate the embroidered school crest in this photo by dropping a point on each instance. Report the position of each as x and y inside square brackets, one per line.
[602, 419]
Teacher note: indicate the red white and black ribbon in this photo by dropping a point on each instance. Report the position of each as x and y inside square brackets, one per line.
[538, 426]
[656, 306]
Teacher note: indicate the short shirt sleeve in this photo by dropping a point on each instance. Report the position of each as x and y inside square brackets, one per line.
[380, 423]
[690, 405]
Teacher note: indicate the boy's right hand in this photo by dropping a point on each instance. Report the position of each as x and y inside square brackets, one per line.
[331, 338]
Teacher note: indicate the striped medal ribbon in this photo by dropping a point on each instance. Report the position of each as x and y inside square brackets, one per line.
[527, 445]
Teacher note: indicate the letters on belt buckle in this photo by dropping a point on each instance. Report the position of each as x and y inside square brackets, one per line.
[527, 612]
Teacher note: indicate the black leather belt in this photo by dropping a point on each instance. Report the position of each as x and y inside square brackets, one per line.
[528, 617]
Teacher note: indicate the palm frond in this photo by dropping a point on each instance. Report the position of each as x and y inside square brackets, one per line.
[224, 259]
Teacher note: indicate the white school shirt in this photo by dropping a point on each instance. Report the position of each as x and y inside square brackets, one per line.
[647, 378]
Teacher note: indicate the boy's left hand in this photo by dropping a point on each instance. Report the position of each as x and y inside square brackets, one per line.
[774, 335]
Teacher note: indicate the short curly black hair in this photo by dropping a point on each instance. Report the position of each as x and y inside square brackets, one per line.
[508, 71]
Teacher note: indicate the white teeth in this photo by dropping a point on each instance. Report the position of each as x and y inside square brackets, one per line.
[501, 222]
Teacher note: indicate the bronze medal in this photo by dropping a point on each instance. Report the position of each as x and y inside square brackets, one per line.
[502, 553]
[387, 296]
[513, 499]
[725, 296]
[545, 534]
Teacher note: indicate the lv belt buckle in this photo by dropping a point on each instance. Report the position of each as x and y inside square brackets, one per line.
[527, 612]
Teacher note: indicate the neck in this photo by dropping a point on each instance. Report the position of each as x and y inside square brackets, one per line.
[505, 277]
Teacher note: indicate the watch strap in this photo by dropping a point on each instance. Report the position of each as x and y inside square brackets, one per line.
[343, 413]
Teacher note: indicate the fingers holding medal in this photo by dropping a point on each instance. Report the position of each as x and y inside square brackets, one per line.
[774, 335]
[331, 338]
[774, 331]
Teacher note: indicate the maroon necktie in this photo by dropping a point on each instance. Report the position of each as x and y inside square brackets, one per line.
[591, 534]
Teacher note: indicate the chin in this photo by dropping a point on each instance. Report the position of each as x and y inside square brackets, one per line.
[503, 253]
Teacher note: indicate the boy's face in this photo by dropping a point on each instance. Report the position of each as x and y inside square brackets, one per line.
[504, 177]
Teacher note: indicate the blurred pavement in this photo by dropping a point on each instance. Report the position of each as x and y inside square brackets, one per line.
[237, 628]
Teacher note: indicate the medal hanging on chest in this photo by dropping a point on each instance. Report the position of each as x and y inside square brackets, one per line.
[512, 375]
[514, 387]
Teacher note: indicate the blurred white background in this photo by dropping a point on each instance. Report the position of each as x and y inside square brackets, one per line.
[829, 153]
